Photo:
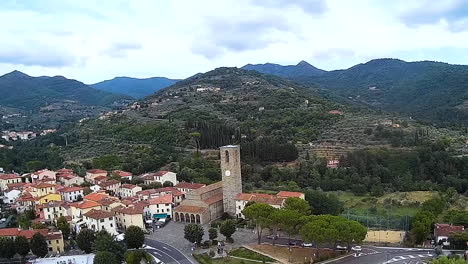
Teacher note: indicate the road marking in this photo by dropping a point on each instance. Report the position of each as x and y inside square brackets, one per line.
[173, 248]
[166, 248]
[165, 254]
[405, 257]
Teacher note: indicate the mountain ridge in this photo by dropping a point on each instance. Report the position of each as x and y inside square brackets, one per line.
[134, 87]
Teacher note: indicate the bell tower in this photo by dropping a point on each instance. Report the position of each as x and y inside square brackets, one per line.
[231, 176]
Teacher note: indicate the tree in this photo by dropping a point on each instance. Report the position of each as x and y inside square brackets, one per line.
[22, 246]
[106, 242]
[7, 247]
[105, 257]
[323, 203]
[350, 231]
[194, 233]
[85, 240]
[227, 229]
[297, 204]
[316, 232]
[134, 237]
[421, 225]
[288, 220]
[38, 225]
[212, 233]
[135, 257]
[38, 245]
[62, 225]
[260, 214]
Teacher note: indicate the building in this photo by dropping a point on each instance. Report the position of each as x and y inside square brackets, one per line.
[286, 194]
[40, 175]
[98, 220]
[48, 198]
[129, 190]
[10, 196]
[69, 179]
[160, 207]
[186, 187]
[128, 216]
[210, 202]
[53, 210]
[243, 198]
[73, 259]
[95, 196]
[110, 186]
[122, 174]
[161, 177]
[71, 194]
[77, 209]
[6, 179]
[442, 232]
[91, 174]
[54, 239]
[42, 189]
[177, 196]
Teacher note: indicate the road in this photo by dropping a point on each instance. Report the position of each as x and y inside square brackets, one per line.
[388, 255]
[166, 253]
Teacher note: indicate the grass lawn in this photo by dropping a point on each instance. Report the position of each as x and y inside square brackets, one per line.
[205, 259]
[249, 254]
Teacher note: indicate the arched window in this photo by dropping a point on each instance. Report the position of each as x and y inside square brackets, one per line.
[226, 153]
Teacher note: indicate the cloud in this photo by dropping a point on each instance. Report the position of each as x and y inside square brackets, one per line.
[453, 13]
[121, 49]
[308, 6]
[241, 34]
[32, 53]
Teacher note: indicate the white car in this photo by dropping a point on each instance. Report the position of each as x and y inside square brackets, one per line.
[341, 247]
[357, 248]
[307, 245]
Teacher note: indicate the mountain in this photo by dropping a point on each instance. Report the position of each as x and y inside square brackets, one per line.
[136, 88]
[427, 90]
[22, 91]
[302, 69]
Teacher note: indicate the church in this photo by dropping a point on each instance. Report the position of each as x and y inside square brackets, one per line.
[208, 203]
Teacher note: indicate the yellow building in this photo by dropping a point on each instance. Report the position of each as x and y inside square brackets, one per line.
[128, 216]
[48, 198]
[6, 179]
[54, 239]
[42, 189]
[55, 242]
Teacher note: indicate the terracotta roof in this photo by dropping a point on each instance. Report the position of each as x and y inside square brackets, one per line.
[67, 176]
[108, 200]
[166, 190]
[85, 204]
[100, 178]
[214, 199]
[9, 232]
[54, 235]
[163, 199]
[209, 188]
[187, 185]
[95, 196]
[64, 170]
[70, 189]
[16, 186]
[55, 204]
[446, 229]
[160, 173]
[98, 214]
[109, 183]
[132, 210]
[122, 173]
[128, 186]
[43, 185]
[190, 209]
[96, 171]
[260, 198]
[9, 176]
[289, 194]
[13, 232]
[25, 197]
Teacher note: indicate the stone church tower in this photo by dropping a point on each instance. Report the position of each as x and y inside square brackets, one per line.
[231, 176]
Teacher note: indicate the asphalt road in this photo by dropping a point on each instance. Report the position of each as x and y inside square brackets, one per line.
[388, 255]
[166, 253]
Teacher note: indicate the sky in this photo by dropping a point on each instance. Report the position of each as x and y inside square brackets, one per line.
[93, 41]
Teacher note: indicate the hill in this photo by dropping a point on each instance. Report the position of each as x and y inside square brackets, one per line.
[301, 70]
[22, 91]
[427, 90]
[136, 88]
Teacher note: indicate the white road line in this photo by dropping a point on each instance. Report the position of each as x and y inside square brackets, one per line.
[175, 249]
[166, 248]
[168, 255]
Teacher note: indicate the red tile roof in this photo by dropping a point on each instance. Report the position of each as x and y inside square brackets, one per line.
[122, 173]
[100, 178]
[13, 232]
[128, 186]
[16, 186]
[98, 214]
[132, 210]
[43, 185]
[64, 170]
[190, 209]
[446, 229]
[260, 198]
[108, 183]
[163, 199]
[9, 176]
[95, 196]
[214, 199]
[70, 189]
[289, 194]
[160, 173]
[85, 204]
[96, 171]
[187, 185]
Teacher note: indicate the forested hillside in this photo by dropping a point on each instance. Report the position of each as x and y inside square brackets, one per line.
[431, 91]
[136, 88]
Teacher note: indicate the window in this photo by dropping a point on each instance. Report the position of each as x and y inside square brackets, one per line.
[226, 154]
[102, 220]
[56, 241]
[102, 228]
[50, 249]
[48, 242]
[110, 218]
[111, 225]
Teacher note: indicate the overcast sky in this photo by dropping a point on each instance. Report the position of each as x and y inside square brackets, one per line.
[91, 42]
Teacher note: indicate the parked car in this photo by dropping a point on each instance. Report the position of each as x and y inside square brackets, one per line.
[341, 247]
[307, 244]
[161, 222]
[272, 236]
[357, 248]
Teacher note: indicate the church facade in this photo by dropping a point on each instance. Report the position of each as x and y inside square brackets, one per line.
[208, 203]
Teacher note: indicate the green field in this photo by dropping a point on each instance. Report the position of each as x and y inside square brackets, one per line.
[205, 259]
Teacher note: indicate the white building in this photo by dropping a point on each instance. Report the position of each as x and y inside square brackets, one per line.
[55, 209]
[74, 259]
[160, 207]
[129, 190]
[98, 220]
[71, 194]
[161, 177]
[9, 197]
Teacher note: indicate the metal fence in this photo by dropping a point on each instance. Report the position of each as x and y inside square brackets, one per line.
[389, 222]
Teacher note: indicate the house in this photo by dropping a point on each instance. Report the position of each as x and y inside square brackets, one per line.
[161, 177]
[243, 198]
[129, 190]
[71, 194]
[53, 210]
[186, 187]
[286, 194]
[24, 202]
[77, 209]
[91, 174]
[40, 175]
[10, 196]
[122, 174]
[48, 198]
[78, 259]
[6, 179]
[108, 203]
[95, 197]
[42, 189]
[69, 179]
[177, 195]
[442, 232]
[335, 112]
[98, 220]
[128, 216]
[161, 207]
[54, 239]
[111, 186]
[100, 179]
[333, 163]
